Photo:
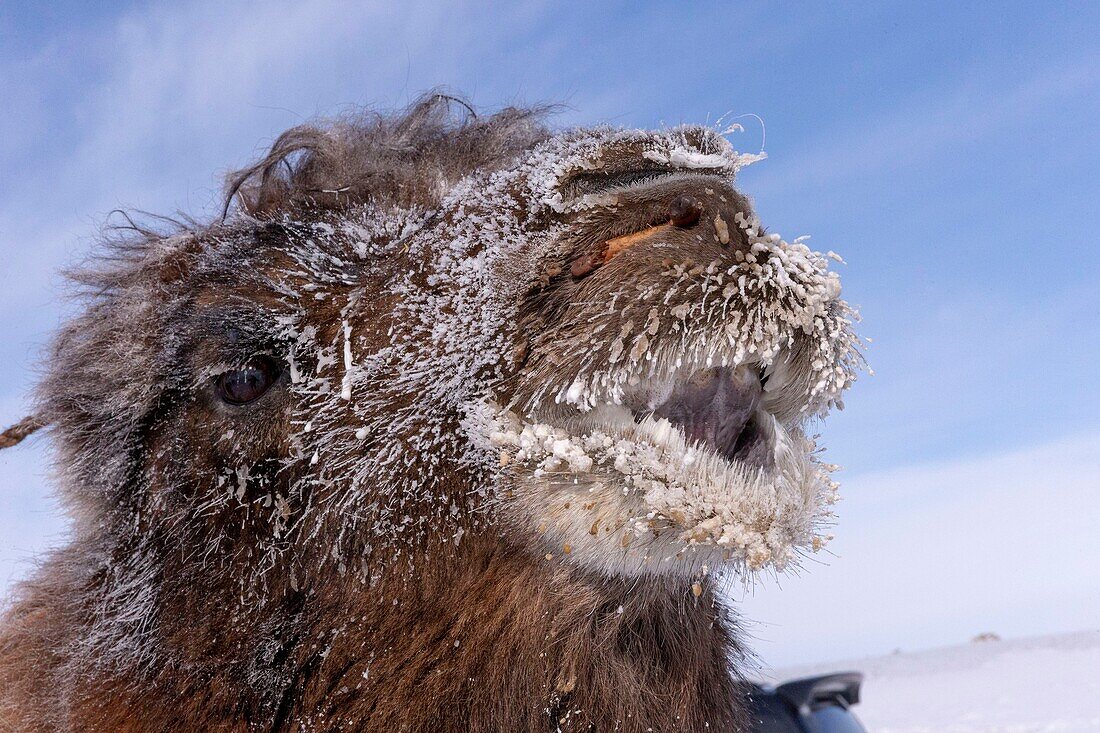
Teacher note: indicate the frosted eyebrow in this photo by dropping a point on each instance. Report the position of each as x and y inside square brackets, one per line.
[589, 182]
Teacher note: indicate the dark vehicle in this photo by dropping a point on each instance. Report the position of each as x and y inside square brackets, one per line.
[811, 705]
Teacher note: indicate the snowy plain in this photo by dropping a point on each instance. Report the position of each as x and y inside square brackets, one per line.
[1030, 685]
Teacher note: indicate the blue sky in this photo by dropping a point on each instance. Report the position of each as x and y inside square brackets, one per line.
[948, 151]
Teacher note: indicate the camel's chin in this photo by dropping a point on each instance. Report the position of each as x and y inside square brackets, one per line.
[622, 495]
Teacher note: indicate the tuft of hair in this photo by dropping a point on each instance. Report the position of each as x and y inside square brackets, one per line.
[387, 158]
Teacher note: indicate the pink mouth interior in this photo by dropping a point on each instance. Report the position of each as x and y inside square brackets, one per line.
[718, 407]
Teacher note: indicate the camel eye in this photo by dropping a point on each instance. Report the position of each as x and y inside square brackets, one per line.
[247, 384]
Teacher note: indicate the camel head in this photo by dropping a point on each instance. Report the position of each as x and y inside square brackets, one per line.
[409, 332]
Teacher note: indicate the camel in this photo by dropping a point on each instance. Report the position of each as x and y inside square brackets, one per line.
[449, 423]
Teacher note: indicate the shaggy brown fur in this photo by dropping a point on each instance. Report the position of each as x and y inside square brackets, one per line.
[338, 554]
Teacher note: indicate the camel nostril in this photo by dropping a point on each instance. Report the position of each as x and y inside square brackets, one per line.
[684, 212]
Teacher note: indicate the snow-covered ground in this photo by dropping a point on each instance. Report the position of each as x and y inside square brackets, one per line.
[1035, 685]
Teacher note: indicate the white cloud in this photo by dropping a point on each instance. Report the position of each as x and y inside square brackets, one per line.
[935, 553]
[169, 97]
[930, 126]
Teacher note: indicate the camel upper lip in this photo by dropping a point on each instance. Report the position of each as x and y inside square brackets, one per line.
[719, 408]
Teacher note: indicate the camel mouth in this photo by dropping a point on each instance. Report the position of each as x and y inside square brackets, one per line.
[696, 459]
[717, 409]
[717, 414]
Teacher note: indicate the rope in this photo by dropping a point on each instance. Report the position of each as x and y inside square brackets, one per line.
[15, 434]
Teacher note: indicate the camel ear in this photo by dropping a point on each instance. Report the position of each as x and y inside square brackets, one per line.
[141, 244]
[16, 433]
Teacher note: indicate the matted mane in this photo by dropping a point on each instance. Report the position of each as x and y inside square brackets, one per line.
[407, 158]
